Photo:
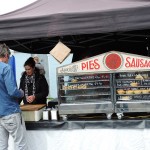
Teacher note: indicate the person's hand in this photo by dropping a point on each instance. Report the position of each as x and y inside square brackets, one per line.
[22, 93]
[30, 98]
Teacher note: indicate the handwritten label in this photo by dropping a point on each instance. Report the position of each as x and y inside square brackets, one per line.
[73, 69]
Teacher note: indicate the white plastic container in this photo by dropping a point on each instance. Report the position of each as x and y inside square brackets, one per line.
[54, 114]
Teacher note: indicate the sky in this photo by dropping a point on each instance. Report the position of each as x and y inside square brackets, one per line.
[11, 5]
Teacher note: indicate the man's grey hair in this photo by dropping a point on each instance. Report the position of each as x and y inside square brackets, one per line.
[4, 50]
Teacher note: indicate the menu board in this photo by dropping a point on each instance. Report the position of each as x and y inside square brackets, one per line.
[133, 86]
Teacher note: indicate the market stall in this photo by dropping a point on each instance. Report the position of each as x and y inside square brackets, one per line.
[30, 30]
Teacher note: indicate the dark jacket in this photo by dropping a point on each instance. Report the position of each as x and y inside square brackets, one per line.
[41, 91]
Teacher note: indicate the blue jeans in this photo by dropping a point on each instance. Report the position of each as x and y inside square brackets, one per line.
[14, 125]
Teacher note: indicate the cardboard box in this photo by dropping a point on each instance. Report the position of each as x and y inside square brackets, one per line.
[32, 112]
[60, 52]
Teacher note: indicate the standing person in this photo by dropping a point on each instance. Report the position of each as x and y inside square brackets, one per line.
[39, 65]
[33, 84]
[11, 121]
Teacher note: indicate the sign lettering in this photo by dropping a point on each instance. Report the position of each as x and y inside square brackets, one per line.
[90, 65]
[136, 62]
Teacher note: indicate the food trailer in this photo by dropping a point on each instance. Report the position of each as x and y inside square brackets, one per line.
[113, 82]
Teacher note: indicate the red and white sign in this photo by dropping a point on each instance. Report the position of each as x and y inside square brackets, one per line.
[108, 62]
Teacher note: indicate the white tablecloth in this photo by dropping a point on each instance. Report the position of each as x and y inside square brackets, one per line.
[88, 139]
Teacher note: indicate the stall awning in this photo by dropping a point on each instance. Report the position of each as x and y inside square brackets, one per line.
[48, 18]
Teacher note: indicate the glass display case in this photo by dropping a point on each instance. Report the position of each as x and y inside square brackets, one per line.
[112, 82]
[85, 94]
[132, 92]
